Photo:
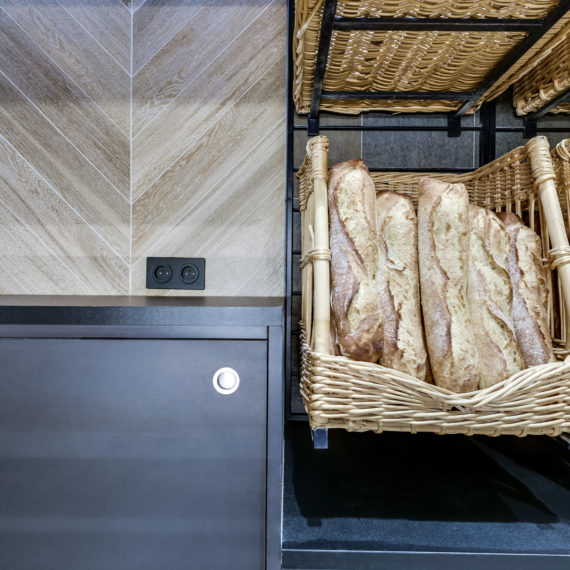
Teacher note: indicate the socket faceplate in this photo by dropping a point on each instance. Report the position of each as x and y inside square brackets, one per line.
[175, 273]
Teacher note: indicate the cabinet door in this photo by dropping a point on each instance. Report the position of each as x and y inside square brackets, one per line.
[119, 454]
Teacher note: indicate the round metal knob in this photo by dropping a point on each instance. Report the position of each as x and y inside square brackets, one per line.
[226, 381]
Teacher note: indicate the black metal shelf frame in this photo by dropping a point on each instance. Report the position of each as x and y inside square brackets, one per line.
[536, 29]
[487, 129]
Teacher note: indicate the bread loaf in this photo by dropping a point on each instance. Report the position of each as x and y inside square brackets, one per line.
[397, 283]
[491, 298]
[528, 280]
[352, 216]
[443, 248]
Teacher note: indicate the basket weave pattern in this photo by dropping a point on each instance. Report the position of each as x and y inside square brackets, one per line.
[358, 396]
[408, 60]
[549, 78]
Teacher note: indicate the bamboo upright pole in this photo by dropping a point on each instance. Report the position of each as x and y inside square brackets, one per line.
[543, 173]
[321, 252]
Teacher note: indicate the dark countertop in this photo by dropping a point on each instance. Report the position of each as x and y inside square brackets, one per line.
[373, 501]
[128, 311]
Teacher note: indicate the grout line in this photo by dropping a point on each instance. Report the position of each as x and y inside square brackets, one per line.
[164, 42]
[361, 137]
[125, 6]
[206, 67]
[43, 179]
[116, 60]
[131, 161]
[138, 7]
[64, 72]
[62, 134]
[216, 183]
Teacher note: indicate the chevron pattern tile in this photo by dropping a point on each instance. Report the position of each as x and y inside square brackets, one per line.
[133, 128]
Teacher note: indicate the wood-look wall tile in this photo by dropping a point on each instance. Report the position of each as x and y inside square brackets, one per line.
[108, 22]
[11, 284]
[38, 214]
[207, 167]
[62, 166]
[77, 54]
[237, 225]
[80, 120]
[28, 256]
[155, 23]
[250, 72]
[176, 66]
[229, 142]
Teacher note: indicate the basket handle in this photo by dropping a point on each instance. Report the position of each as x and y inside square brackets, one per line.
[544, 177]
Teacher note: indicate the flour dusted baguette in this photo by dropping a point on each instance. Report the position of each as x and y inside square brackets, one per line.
[529, 292]
[491, 298]
[443, 248]
[352, 216]
[397, 283]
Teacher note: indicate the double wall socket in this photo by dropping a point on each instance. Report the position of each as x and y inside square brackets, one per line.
[175, 273]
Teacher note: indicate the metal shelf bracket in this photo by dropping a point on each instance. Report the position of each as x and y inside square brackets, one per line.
[320, 438]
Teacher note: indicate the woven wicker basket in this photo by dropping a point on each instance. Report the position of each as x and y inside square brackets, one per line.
[412, 60]
[561, 162]
[342, 393]
[549, 78]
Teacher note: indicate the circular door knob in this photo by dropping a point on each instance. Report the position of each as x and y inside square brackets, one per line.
[226, 380]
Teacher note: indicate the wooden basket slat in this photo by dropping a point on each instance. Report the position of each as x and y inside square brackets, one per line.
[358, 396]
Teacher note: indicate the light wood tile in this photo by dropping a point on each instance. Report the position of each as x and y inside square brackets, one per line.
[155, 23]
[42, 215]
[77, 54]
[108, 22]
[256, 81]
[238, 225]
[11, 284]
[175, 67]
[64, 104]
[136, 4]
[207, 169]
[64, 168]
[209, 161]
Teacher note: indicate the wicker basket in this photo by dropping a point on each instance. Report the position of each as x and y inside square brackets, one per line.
[342, 393]
[549, 78]
[561, 162]
[412, 60]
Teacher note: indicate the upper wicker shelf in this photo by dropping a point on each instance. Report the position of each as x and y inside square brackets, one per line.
[546, 86]
[423, 55]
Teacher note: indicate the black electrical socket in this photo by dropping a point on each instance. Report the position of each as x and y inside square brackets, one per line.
[175, 273]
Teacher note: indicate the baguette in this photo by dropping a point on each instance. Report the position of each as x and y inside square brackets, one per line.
[491, 298]
[443, 248]
[397, 284]
[354, 251]
[528, 280]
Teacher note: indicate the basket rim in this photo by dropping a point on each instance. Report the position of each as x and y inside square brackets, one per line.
[475, 398]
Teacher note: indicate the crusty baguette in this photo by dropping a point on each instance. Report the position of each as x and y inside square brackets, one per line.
[443, 248]
[352, 216]
[528, 279]
[398, 285]
[490, 297]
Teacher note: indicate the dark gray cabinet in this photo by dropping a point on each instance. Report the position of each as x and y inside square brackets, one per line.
[119, 453]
